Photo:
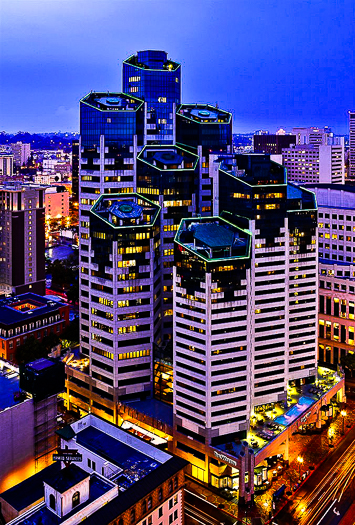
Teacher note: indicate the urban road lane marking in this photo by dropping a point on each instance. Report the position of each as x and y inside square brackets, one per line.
[326, 512]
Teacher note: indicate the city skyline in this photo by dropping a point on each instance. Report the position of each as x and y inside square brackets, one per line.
[269, 65]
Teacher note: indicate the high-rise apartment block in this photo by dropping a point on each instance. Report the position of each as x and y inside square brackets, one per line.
[351, 173]
[21, 153]
[22, 263]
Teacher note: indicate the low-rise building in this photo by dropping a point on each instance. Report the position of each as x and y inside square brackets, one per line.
[28, 418]
[29, 315]
[121, 479]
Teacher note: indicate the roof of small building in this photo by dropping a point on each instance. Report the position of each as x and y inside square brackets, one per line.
[137, 492]
[30, 490]
[13, 310]
[67, 478]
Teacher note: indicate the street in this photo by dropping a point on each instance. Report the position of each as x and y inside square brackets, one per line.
[326, 496]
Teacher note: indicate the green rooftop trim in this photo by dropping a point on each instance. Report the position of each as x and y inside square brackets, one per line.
[126, 195]
[143, 67]
[203, 106]
[167, 147]
[111, 94]
[250, 185]
[211, 260]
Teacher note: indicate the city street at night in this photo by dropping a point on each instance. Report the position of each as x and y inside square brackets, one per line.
[327, 495]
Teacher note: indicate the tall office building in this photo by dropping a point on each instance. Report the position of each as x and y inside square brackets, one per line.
[152, 77]
[168, 175]
[120, 301]
[351, 144]
[22, 262]
[245, 306]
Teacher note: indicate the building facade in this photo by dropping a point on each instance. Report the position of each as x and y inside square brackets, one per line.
[315, 163]
[336, 241]
[272, 144]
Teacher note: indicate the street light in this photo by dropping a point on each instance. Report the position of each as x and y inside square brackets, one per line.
[343, 413]
[300, 461]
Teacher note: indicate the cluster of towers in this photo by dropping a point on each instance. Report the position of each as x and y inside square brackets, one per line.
[194, 261]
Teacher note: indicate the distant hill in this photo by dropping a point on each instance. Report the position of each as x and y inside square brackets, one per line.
[55, 140]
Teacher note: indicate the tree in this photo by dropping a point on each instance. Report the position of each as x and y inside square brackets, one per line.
[348, 362]
[70, 336]
[33, 349]
[29, 351]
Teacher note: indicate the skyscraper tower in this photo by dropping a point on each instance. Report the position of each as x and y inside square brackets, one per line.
[120, 291]
[208, 129]
[245, 305]
[152, 77]
[168, 175]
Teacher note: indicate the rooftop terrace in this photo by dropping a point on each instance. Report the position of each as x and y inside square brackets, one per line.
[213, 238]
[112, 101]
[267, 422]
[121, 210]
[168, 158]
[204, 113]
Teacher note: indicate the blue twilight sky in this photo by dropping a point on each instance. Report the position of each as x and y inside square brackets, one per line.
[271, 62]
